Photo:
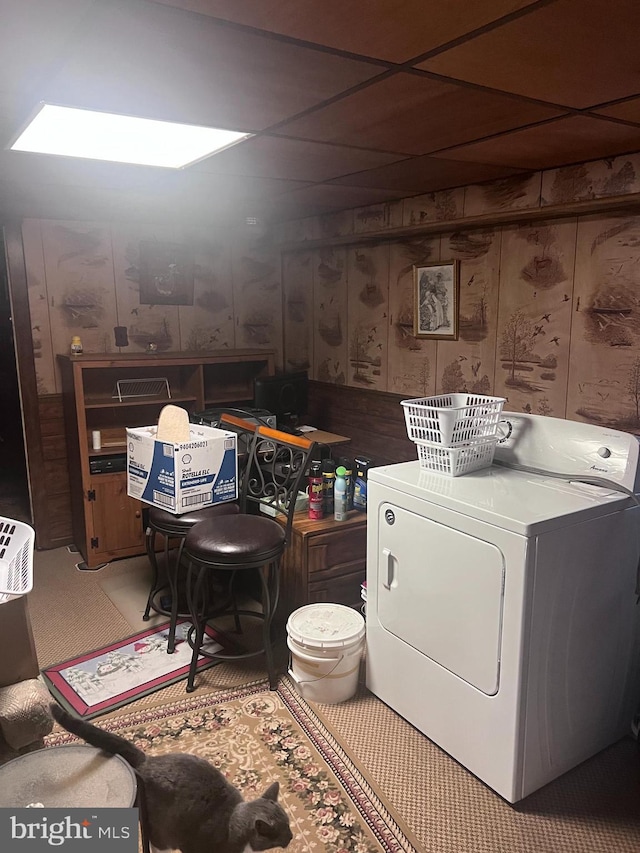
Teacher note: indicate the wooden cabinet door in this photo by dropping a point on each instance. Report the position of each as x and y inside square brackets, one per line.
[117, 519]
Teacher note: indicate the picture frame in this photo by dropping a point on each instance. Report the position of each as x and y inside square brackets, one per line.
[166, 274]
[436, 297]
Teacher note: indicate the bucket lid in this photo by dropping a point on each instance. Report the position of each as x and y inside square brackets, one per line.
[325, 626]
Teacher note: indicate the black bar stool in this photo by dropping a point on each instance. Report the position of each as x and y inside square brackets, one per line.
[174, 527]
[252, 541]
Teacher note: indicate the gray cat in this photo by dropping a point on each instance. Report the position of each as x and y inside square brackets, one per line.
[190, 805]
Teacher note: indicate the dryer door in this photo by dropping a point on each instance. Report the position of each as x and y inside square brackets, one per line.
[441, 591]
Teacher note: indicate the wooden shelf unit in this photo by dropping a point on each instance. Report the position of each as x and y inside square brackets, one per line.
[107, 523]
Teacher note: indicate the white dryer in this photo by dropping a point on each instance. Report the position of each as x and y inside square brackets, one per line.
[501, 605]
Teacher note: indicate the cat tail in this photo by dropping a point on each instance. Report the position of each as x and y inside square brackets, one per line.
[98, 737]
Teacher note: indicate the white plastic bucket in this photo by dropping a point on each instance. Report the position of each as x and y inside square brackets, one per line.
[326, 642]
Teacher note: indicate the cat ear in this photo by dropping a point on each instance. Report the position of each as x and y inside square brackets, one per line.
[272, 792]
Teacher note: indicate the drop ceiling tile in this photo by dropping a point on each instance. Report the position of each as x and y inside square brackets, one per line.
[425, 174]
[295, 159]
[412, 114]
[34, 36]
[395, 32]
[569, 52]
[627, 111]
[151, 60]
[557, 143]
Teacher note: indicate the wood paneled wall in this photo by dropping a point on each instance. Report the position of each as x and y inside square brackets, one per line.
[548, 307]
[373, 420]
[57, 530]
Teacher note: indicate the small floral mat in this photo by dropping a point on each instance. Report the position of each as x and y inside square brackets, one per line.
[256, 736]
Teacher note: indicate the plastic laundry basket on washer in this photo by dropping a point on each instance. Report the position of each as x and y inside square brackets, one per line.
[326, 643]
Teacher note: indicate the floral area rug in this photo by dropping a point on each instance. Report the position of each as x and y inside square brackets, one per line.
[256, 736]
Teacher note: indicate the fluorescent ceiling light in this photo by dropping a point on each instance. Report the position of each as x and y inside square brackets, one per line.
[123, 139]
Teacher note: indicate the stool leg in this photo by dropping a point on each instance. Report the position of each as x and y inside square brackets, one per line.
[198, 623]
[172, 574]
[150, 539]
[141, 802]
[269, 579]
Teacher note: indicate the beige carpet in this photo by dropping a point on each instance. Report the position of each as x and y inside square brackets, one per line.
[592, 809]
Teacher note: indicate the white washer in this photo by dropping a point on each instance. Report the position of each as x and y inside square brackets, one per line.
[501, 605]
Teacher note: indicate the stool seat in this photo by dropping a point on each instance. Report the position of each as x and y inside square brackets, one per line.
[177, 524]
[241, 539]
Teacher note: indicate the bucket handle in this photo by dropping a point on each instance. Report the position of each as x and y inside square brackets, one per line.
[313, 680]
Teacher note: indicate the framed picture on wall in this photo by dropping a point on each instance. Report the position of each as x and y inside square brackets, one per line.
[436, 300]
[166, 274]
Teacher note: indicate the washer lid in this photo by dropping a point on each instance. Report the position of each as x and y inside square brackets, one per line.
[513, 500]
[325, 626]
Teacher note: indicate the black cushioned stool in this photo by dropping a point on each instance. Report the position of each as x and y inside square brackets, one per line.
[175, 527]
[250, 541]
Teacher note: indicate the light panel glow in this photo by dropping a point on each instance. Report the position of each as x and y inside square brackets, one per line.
[122, 139]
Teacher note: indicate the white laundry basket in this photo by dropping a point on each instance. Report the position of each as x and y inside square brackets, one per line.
[326, 643]
[16, 558]
[452, 420]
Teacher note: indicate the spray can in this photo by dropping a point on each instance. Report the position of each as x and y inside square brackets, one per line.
[329, 478]
[316, 496]
[362, 464]
[340, 495]
[347, 464]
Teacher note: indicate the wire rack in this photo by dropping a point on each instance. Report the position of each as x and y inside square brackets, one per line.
[127, 389]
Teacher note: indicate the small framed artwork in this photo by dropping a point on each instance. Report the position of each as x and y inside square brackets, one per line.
[435, 300]
[166, 274]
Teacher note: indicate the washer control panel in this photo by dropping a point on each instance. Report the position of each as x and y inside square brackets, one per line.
[569, 447]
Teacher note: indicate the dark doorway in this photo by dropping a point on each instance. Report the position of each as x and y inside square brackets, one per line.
[14, 488]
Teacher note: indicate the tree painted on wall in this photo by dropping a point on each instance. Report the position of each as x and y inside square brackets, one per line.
[517, 340]
[633, 386]
[453, 381]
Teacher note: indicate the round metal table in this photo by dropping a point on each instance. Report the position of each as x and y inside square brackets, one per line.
[73, 776]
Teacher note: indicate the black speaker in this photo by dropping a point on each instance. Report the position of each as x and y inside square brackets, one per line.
[122, 339]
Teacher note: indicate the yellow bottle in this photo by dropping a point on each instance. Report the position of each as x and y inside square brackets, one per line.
[76, 345]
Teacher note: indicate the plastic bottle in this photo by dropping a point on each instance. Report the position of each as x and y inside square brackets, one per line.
[76, 345]
[347, 464]
[316, 492]
[360, 486]
[329, 478]
[340, 507]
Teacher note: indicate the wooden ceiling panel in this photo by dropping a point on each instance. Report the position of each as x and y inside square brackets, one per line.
[426, 174]
[569, 52]
[33, 36]
[558, 143]
[627, 111]
[412, 114]
[153, 61]
[395, 32]
[295, 159]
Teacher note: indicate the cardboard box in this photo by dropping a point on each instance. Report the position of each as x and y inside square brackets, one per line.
[182, 477]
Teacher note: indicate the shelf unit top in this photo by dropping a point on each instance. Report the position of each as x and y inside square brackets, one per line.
[117, 359]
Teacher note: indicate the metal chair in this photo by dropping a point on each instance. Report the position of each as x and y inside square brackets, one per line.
[252, 541]
[175, 527]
